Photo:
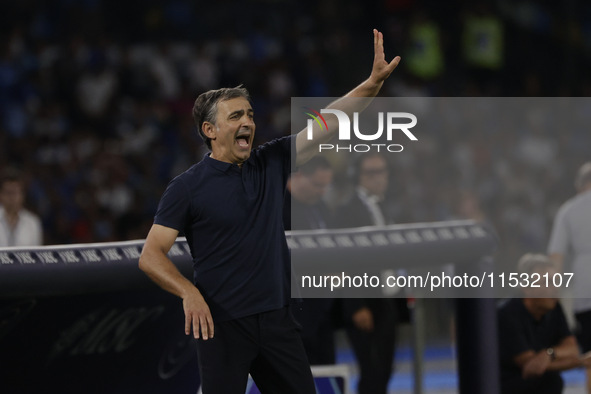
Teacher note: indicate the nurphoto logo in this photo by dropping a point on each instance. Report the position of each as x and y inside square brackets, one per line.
[344, 122]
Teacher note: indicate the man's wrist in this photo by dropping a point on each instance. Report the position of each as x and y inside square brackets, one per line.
[190, 290]
[373, 83]
[551, 353]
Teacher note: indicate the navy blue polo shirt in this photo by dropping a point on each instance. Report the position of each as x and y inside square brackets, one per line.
[520, 332]
[232, 219]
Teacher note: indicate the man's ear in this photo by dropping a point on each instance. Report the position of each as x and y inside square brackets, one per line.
[209, 130]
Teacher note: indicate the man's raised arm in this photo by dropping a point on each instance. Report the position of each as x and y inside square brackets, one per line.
[381, 70]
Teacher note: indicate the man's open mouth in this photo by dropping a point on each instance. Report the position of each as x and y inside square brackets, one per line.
[243, 139]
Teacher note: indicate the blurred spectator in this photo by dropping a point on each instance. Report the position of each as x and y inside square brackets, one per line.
[468, 207]
[164, 73]
[534, 338]
[371, 323]
[483, 45]
[571, 236]
[304, 196]
[202, 71]
[424, 58]
[96, 88]
[305, 210]
[18, 226]
[369, 204]
[483, 38]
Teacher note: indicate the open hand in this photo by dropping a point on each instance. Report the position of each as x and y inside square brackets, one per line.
[381, 68]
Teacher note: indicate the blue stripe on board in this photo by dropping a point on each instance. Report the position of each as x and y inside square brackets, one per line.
[441, 379]
[404, 354]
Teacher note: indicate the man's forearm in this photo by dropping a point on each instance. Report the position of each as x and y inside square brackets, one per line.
[156, 264]
[566, 355]
[565, 363]
[567, 348]
[164, 273]
[356, 100]
[368, 88]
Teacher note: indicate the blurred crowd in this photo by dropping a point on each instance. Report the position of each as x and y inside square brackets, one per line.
[96, 98]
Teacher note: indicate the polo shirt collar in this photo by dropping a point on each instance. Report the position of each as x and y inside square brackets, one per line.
[531, 317]
[219, 165]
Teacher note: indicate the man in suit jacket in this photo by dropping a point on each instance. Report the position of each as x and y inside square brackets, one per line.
[371, 323]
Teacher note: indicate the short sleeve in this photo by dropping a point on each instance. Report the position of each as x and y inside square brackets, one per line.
[562, 330]
[174, 207]
[279, 152]
[559, 238]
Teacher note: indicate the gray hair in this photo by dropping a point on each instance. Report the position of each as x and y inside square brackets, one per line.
[583, 176]
[530, 262]
[205, 108]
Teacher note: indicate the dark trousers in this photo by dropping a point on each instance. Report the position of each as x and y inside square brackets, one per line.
[266, 345]
[584, 332]
[375, 350]
[548, 383]
[315, 315]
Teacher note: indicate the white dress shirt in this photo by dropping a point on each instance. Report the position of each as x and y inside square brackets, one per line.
[28, 230]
